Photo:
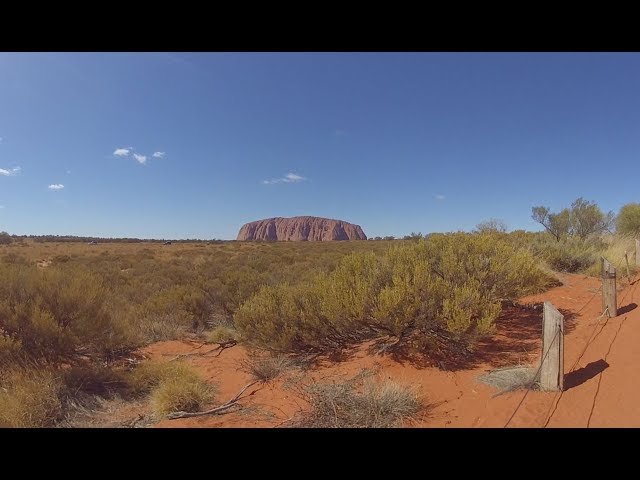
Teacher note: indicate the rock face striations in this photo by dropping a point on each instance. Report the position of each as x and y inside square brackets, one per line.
[300, 229]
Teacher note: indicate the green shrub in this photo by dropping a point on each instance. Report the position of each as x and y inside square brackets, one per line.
[628, 219]
[451, 282]
[29, 398]
[570, 256]
[58, 314]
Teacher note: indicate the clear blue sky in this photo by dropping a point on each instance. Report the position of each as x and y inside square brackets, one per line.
[395, 142]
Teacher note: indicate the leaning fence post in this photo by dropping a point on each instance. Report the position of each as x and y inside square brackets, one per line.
[609, 296]
[552, 366]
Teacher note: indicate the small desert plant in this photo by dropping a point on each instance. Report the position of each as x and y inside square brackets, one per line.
[510, 379]
[266, 368]
[181, 393]
[30, 398]
[172, 387]
[359, 402]
[222, 334]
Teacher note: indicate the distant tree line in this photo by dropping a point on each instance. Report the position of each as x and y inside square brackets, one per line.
[5, 239]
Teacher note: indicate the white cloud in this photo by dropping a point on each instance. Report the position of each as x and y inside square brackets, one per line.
[122, 152]
[56, 186]
[140, 158]
[11, 172]
[439, 197]
[292, 177]
[288, 178]
[158, 154]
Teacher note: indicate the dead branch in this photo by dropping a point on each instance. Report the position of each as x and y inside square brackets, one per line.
[216, 410]
[220, 348]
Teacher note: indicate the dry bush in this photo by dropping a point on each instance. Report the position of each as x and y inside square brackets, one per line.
[267, 368]
[222, 334]
[157, 328]
[30, 398]
[172, 387]
[94, 380]
[359, 402]
[181, 393]
[510, 379]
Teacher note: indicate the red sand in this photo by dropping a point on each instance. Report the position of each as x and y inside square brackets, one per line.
[600, 390]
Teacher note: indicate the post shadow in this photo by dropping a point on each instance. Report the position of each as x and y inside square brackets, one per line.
[578, 377]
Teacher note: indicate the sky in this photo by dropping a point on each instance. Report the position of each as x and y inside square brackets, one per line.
[194, 145]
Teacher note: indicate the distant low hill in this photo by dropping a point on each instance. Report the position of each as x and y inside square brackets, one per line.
[300, 229]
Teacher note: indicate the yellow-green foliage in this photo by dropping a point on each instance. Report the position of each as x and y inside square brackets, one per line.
[451, 282]
[54, 313]
[29, 398]
[223, 334]
[172, 387]
[613, 249]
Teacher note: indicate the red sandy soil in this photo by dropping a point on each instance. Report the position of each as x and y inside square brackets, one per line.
[601, 359]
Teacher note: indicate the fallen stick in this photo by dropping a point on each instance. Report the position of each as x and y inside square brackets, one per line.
[213, 411]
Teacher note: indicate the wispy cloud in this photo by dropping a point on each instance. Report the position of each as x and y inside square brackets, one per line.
[68, 172]
[140, 158]
[1, 207]
[56, 186]
[0, 139]
[122, 152]
[288, 178]
[439, 197]
[11, 172]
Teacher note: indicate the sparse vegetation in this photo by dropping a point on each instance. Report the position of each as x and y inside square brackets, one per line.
[70, 310]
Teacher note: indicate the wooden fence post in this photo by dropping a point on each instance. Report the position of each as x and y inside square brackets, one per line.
[637, 253]
[552, 367]
[609, 296]
[626, 259]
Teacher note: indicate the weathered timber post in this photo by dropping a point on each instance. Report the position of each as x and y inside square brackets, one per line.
[609, 296]
[637, 253]
[552, 366]
[626, 259]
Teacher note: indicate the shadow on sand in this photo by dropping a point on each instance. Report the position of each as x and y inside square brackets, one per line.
[517, 341]
[578, 377]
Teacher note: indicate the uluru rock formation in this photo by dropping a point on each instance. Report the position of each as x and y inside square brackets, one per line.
[300, 229]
